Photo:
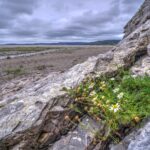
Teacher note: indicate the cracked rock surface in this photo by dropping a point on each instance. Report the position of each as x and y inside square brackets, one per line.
[80, 138]
[32, 112]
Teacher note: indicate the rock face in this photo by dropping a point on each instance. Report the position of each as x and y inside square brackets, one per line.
[37, 111]
[148, 49]
[33, 117]
[142, 139]
[139, 139]
[140, 18]
[80, 138]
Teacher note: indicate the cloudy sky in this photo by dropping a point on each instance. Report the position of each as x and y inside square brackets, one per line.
[23, 21]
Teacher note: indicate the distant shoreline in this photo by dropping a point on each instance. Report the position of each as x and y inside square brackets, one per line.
[104, 42]
[9, 46]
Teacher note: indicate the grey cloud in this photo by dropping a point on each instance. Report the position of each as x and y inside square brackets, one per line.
[130, 6]
[133, 2]
[90, 18]
[27, 29]
[84, 33]
[4, 23]
[11, 10]
[24, 33]
[89, 24]
[19, 6]
[64, 20]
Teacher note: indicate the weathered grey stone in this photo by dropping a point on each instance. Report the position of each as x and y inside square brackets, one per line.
[143, 68]
[139, 139]
[124, 54]
[148, 50]
[142, 139]
[140, 18]
[118, 147]
[28, 109]
[32, 111]
[25, 54]
[80, 138]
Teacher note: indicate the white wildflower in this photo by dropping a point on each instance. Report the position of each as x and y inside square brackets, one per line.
[115, 107]
[94, 99]
[112, 79]
[116, 90]
[92, 93]
[134, 76]
[97, 75]
[91, 86]
[120, 95]
[103, 82]
[103, 97]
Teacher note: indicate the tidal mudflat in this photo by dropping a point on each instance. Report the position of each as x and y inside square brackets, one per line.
[35, 61]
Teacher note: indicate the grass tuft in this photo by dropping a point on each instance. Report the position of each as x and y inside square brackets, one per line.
[122, 101]
[15, 71]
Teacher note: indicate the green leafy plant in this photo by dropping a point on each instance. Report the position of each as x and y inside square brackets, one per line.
[118, 102]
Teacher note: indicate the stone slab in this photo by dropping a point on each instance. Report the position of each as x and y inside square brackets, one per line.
[80, 138]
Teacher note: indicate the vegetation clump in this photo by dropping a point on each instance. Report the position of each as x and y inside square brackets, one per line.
[117, 102]
[24, 49]
[15, 71]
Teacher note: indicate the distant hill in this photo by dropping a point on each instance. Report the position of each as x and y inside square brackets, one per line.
[105, 42]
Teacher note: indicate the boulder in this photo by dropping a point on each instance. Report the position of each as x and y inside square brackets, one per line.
[32, 117]
[139, 18]
[139, 139]
[81, 138]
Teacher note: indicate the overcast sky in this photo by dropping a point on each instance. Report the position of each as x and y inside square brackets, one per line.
[23, 21]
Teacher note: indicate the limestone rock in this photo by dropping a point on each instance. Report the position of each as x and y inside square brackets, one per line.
[27, 113]
[25, 54]
[143, 68]
[148, 50]
[142, 139]
[139, 139]
[32, 111]
[80, 138]
[140, 18]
